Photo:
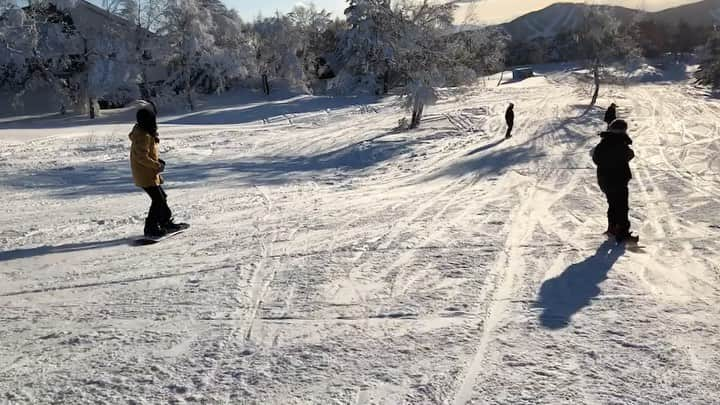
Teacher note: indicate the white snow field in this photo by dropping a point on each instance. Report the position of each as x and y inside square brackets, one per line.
[333, 260]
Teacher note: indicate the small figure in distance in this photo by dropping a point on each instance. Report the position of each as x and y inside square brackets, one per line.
[510, 120]
[610, 114]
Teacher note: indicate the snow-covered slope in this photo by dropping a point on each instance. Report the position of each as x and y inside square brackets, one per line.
[332, 259]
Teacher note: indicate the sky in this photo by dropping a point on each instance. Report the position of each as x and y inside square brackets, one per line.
[482, 11]
[486, 11]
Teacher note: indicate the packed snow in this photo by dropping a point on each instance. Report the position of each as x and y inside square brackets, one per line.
[334, 259]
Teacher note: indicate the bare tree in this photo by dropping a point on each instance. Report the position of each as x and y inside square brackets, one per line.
[602, 41]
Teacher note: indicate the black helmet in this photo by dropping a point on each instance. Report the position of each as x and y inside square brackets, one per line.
[147, 121]
[618, 126]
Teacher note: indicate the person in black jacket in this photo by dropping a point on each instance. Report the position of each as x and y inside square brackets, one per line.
[510, 120]
[612, 157]
[610, 114]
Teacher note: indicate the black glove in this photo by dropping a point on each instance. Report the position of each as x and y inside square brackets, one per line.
[162, 165]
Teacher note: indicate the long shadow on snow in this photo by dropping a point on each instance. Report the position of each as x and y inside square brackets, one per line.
[492, 163]
[565, 295]
[69, 248]
[485, 147]
[115, 178]
[267, 170]
[254, 108]
[485, 161]
[246, 114]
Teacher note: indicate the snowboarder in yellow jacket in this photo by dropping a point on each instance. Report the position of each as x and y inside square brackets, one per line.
[146, 168]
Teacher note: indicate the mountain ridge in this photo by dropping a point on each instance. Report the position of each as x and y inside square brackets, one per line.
[564, 16]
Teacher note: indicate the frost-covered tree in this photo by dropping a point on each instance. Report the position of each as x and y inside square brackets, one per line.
[420, 51]
[602, 40]
[78, 61]
[106, 65]
[147, 46]
[428, 54]
[127, 9]
[316, 39]
[198, 47]
[14, 47]
[150, 14]
[36, 45]
[477, 52]
[709, 72]
[278, 49]
[412, 45]
[232, 46]
[187, 34]
[366, 48]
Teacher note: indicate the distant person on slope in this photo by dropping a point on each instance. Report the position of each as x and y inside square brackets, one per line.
[612, 157]
[510, 120]
[610, 114]
[146, 168]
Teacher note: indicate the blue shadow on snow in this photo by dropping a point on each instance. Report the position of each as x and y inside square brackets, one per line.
[69, 248]
[115, 178]
[245, 114]
[567, 294]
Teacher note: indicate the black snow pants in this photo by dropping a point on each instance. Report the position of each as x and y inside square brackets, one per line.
[618, 206]
[159, 213]
[510, 125]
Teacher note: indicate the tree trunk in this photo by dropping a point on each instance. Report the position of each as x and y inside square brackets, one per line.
[91, 105]
[91, 108]
[386, 82]
[417, 113]
[188, 92]
[266, 85]
[501, 78]
[188, 89]
[596, 78]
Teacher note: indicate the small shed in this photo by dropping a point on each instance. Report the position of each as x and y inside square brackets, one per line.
[522, 73]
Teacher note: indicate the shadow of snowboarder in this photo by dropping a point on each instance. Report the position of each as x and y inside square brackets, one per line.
[565, 295]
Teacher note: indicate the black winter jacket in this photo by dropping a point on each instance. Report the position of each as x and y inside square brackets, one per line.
[510, 116]
[612, 157]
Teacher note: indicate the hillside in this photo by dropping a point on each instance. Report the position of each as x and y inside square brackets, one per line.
[335, 260]
[557, 18]
[561, 17]
[703, 13]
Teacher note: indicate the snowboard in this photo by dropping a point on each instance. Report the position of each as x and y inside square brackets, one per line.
[144, 241]
[631, 243]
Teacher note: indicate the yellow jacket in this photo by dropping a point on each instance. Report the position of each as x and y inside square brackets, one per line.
[144, 159]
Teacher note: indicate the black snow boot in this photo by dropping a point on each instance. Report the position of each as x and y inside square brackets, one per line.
[172, 227]
[627, 237]
[153, 230]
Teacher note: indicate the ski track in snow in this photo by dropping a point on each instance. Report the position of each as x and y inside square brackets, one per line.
[332, 259]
